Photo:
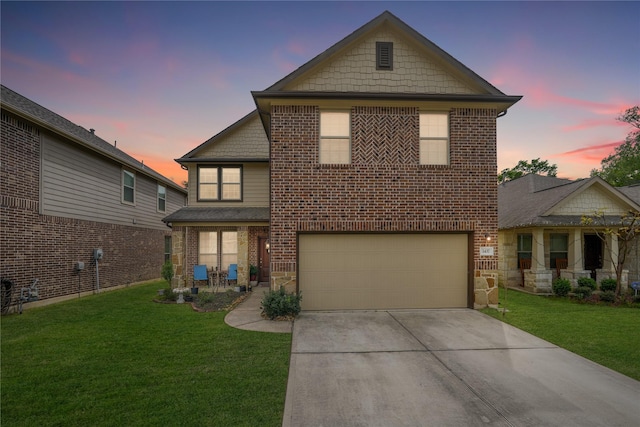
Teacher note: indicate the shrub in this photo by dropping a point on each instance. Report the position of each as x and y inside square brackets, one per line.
[169, 295]
[608, 285]
[583, 292]
[587, 282]
[280, 303]
[561, 287]
[167, 271]
[607, 296]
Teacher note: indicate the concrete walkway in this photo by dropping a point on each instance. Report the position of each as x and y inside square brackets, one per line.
[247, 315]
[444, 368]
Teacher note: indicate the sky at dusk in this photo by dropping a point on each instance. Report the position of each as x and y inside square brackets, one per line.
[160, 78]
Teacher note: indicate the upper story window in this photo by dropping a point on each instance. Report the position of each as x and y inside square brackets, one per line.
[128, 187]
[434, 139]
[223, 183]
[335, 137]
[162, 198]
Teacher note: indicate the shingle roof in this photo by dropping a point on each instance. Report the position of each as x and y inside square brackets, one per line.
[219, 214]
[524, 201]
[244, 140]
[18, 104]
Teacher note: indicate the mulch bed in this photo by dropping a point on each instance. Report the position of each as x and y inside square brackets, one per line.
[208, 302]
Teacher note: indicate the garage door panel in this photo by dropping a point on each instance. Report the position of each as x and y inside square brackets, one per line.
[377, 271]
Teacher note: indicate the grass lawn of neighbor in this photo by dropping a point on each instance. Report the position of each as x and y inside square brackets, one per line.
[118, 359]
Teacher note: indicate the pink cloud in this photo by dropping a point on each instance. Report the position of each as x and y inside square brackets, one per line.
[591, 153]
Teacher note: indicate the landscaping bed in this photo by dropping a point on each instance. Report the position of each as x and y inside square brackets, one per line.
[204, 301]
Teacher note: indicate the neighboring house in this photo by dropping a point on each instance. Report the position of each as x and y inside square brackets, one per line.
[64, 193]
[381, 161]
[541, 235]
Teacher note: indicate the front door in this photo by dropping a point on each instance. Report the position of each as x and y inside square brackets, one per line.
[263, 259]
[592, 253]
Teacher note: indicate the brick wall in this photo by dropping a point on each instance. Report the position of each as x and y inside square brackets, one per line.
[384, 188]
[47, 247]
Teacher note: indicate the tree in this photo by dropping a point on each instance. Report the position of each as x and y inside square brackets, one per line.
[623, 166]
[624, 231]
[523, 167]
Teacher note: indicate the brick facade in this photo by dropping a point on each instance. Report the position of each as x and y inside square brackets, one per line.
[47, 247]
[384, 189]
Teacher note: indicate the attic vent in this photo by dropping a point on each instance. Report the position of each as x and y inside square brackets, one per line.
[384, 56]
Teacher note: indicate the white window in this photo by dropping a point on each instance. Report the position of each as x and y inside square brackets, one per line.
[229, 245]
[434, 139]
[335, 137]
[128, 187]
[208, 249]
[220, 183]
[218, 249]
[162, 198]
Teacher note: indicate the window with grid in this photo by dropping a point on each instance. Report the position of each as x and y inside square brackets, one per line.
[229, 246]
[128, 187]
[167, 248]
[434, 138]
[558, 248]
[222, 183]
[525, 243]
[208, 249]
[162, 198]
[335, 137]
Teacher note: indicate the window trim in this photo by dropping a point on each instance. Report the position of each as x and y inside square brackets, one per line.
[123, 187]
[565, 253]
[219, 183]
[334, 137]
[520, 252]
[219, 254]
[446, 138]
[159, 198]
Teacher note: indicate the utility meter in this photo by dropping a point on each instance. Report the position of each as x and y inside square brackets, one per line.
[97, 254]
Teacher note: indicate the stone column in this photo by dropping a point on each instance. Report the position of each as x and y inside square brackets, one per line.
[538, 279]
[576, 262]
[537, 250]
[243, 256]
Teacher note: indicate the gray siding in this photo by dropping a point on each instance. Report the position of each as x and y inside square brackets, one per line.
[76, 183]
[255, 187]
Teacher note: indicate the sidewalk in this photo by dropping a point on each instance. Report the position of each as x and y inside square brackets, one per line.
[247, 315]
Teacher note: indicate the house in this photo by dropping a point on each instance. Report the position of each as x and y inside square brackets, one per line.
[541, 236]
[377, 160]
[68, 197]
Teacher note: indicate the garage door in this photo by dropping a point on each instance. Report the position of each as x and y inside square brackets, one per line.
[382, 271]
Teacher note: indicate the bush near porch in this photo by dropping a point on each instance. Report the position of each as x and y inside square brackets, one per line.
[118, 358]
[607, 335]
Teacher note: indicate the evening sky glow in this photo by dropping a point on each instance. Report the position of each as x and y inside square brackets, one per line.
[160, 78]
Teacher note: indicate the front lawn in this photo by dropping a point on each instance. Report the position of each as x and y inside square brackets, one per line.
[118, 359]
[607, 335]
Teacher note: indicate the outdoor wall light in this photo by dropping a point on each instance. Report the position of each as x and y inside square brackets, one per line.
[486, 236]
[268, 247]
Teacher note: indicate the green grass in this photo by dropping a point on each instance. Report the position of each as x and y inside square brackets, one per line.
[119, 359]
[606, 335]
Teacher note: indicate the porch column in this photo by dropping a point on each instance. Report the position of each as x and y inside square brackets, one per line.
[611, 253]
[537, 250]
[576, 262]
[243, 256]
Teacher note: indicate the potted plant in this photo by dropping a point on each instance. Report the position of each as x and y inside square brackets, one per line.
[253, 275]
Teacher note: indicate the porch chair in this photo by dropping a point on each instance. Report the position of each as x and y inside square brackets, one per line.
[561, 264]
[232, 275]
[200, 274]
[525, 264]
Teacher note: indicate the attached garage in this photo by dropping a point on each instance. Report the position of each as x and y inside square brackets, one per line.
[383, 271]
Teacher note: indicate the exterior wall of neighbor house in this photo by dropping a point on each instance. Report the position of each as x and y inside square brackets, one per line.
[44, 245]
[383, 189]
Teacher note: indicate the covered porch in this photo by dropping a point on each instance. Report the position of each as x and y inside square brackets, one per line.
[532, 258]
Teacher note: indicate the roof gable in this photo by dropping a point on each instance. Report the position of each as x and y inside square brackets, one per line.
[595, 196]
[243, 140]
[420, 66]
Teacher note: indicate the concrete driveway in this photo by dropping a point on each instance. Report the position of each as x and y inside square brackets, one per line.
[444, 368]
